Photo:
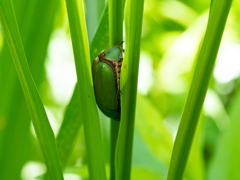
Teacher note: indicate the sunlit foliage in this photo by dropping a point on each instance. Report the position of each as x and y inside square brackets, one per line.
[172, 33]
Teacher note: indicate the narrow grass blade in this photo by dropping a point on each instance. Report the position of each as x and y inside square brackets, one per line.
[115, 37]
[115, 22]
[90, 117]
[35, 31]
[72, 120]
[128, 85]
[40, 121]
[205, 63]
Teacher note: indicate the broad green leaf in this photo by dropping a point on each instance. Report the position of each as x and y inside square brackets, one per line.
[225, 163]
[149, 123]
[94, 9]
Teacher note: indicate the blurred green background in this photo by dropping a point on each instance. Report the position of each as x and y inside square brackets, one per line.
[172, 32]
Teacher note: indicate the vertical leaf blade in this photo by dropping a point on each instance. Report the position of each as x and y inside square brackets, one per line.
[35, 30]
[72, 120]
[128, 85]
[115, 37]
[40, 121]
[89, 113]
[203, 70]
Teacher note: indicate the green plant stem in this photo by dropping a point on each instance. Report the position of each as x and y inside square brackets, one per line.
[115, 10]
[91, 123]
[205, 63]
[72, 120]
[128, 85]
[115, 37]
[114, 128]
[40, 121]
